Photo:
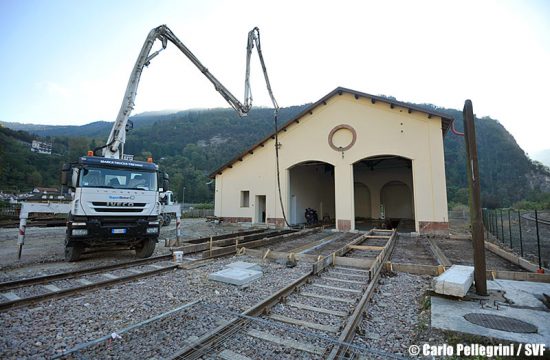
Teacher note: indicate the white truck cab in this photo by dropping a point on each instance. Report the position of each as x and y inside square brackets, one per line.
[114, 202]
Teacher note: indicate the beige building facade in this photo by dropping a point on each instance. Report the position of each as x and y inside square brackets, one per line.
[355, 158]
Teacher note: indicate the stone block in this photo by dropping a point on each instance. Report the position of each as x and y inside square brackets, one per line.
[455, 282]
[244, 265]
[235, 276]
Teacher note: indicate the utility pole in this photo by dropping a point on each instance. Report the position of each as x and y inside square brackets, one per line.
[480, 275]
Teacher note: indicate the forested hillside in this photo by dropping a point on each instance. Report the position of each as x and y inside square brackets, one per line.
[190, 144]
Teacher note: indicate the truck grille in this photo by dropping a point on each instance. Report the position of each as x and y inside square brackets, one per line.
[117, 207]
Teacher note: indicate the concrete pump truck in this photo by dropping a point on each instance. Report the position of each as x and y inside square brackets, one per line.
[117, 201]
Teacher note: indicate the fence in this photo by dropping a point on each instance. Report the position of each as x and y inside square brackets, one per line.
[526, 232]
[197, 213]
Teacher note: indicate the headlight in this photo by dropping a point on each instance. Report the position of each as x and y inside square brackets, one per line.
[152, 230]
[153, 223]
[79, 224]
[80, 232]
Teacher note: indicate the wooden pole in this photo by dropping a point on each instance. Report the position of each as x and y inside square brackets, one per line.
[480, 275]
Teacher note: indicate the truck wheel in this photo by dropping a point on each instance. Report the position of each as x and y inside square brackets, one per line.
[167, 219]
[146, 248]
[72, 253]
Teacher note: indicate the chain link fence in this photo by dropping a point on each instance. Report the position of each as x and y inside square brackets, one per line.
[525, 232]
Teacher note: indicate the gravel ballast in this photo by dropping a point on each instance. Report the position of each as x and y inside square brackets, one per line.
[53, 326]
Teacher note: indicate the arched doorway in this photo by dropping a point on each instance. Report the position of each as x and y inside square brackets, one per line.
[390, 183]
[362, 202]
[396, 199]
[311, 186]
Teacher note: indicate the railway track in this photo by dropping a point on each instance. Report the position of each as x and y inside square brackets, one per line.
[314, 317]
[41, 288]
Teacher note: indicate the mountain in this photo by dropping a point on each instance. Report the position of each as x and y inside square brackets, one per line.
[190, 144]
[542, 156]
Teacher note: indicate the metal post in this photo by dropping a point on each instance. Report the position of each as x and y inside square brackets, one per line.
[21, 236]
[538, 238]
[510, 229]
[501, 225]
[480, 275]
[497, 232]
[520, 235]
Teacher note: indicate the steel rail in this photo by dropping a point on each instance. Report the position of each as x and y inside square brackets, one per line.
[79, 289]
[217, 335]
[9, 285]
[349, 330]
[14, 284]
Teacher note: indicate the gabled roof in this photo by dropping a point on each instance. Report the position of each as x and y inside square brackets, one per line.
[446, 121]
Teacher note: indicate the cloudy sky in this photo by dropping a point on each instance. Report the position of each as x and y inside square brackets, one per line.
[68, 62]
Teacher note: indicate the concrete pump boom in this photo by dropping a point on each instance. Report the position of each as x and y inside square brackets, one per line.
[115, 143]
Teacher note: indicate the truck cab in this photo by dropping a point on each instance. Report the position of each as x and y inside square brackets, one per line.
[115, 203]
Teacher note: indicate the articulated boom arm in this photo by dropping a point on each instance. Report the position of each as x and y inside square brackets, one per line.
[117, 137]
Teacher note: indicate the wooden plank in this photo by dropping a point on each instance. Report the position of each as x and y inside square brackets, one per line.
[311, 325]
[351, 269]
[51, 288]
[344, 281]
[11, 296]
[111, 276]
[366, 247]
[287, 342]
[277, 255]
[418, 269]
[377, 237]
[317, 309]
[257, 243]
[520, 276]
[513, 258]
[439, 254]
[348, 274]
[337, 288]
[324, 297]
[364, 263]
[231, 355]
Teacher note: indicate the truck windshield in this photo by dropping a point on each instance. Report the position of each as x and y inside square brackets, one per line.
[99, 177]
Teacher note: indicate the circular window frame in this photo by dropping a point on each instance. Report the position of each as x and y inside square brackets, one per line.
[337, 128]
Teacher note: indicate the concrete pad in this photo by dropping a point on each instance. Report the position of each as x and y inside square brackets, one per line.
[244, 265]
[449, 314]
[455, 282]
[521, 293]
[235, 276]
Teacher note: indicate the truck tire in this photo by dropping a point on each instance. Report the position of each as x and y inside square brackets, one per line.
[167, 219]
[146, 248]
[73, 252]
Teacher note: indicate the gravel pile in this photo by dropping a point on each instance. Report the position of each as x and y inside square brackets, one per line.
[396, 315]
[50, 327]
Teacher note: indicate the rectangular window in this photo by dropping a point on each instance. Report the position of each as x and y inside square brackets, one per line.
[245, 198]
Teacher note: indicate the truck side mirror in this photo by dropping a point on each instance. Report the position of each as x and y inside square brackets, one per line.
[65, 174]
[165, 181]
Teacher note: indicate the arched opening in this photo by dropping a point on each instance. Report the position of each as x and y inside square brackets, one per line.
[390, 183]
[311, 187]
[362, 201]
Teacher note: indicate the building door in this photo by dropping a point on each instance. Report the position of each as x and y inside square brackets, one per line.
[260, 209]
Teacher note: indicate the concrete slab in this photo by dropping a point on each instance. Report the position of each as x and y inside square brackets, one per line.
[449, 314]
[521, 293]
[235, 276]
[244, 265]
[455, 282]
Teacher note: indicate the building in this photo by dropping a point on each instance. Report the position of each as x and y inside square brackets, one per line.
[41, 147]
[355, 158]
